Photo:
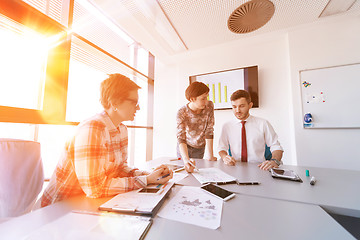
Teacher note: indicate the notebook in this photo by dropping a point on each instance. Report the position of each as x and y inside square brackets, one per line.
[138, 202]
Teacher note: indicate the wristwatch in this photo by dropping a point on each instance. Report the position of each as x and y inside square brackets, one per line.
[277, 161]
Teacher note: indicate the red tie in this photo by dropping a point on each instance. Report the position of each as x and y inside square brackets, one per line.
[243, 143]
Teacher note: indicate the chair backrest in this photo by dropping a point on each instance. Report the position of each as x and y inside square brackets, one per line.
[268, 154]
[21, 176]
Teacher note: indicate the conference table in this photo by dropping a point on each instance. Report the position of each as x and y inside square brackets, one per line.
[275, 209]
[335, 190]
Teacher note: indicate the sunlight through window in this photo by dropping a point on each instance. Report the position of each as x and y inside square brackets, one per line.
[22, 62]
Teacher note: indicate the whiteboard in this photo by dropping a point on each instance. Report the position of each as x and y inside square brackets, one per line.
[332, 96]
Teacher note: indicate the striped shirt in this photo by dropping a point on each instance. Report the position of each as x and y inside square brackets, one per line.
[94, 163]
[193, 128]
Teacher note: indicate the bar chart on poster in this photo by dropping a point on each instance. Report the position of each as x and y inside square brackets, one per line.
[330, 97]
[223, 83]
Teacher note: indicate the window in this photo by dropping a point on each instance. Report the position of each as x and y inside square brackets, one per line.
[52, 139]
[92, 25]
[17, 130]
[55, 9]
[21, 46]
[69, 53]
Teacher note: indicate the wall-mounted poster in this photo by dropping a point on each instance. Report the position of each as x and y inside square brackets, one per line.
[223, 83]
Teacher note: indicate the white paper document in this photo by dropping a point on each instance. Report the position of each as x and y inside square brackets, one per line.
[177, 177]
[194, 206]
[75, 226]
[212, 175]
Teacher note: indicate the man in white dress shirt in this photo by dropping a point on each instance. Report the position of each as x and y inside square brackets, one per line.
[258, 132]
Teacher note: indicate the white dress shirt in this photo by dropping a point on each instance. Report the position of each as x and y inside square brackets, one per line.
[258, 133]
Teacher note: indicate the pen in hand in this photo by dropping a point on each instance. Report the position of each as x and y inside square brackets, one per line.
[166, 175]
[192, 164]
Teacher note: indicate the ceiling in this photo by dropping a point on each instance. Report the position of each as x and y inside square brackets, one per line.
[169, 27]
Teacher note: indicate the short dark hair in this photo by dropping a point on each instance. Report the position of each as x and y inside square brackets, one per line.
[196, 89]
[115, 89]
[240, 94]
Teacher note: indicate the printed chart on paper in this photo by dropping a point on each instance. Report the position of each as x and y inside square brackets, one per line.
[194, 206]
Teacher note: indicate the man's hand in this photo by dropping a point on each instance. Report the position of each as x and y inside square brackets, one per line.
[229, 160]
[156, 176]
[141, 173]
[266, 165]
[212, 158]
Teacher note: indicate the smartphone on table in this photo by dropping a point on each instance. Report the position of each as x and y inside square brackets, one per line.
[149, 190]
[217, 191]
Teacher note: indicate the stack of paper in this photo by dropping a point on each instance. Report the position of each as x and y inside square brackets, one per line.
[213, 175]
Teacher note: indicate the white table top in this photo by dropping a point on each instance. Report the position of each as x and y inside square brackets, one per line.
[248, 217]
[335, 190]
[257, 212]
[243, 217]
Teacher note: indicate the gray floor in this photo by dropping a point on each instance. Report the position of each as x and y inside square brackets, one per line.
[351, 224]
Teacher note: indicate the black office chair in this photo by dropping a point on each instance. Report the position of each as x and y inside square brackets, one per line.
[268, 154]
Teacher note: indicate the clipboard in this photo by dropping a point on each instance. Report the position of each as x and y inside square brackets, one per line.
[90, 225]
[136, 203]
[285, 174]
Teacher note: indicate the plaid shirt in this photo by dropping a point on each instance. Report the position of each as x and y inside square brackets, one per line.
[94, 163]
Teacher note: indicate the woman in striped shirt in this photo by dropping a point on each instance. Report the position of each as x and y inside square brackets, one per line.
[195, 126]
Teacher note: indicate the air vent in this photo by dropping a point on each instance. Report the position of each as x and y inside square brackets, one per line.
[251, 16]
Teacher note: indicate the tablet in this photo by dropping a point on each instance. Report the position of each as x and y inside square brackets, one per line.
[285, 174]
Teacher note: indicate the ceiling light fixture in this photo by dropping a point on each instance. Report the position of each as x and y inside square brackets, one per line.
[336, 6]
[251, 16]
[155, 14]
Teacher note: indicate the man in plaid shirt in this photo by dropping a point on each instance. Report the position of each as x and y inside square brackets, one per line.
[94, 161]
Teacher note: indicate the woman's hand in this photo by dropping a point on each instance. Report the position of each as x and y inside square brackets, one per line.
[190, 165]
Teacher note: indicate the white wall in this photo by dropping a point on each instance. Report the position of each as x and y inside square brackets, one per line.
[270, 53]
[279, 57]
[322, 45]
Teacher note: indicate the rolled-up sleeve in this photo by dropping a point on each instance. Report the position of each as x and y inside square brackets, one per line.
[209, 132]
[181, 126]
[271, 138]
[223, 140]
